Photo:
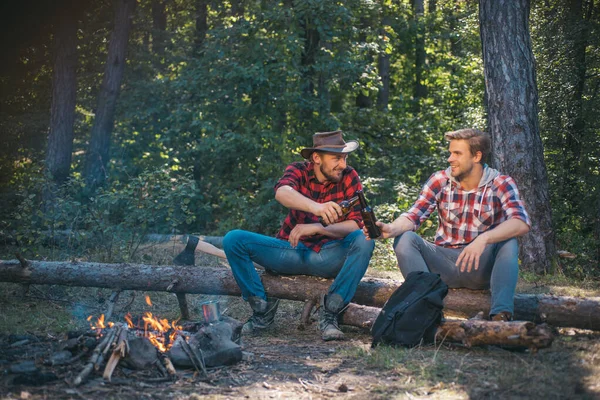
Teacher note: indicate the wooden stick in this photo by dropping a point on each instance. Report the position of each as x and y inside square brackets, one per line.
[305, 318]
[114, 296]
[120, 351]
[112, 337]
[183, 306]
[194, 358]
[200, 357]
[93, 359]
[169, 366]
[160, 366]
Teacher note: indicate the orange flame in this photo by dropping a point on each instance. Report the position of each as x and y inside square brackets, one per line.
[160, 332]
[163, 333]
[148, 301]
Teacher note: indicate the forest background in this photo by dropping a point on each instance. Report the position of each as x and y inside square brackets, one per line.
[178, 116]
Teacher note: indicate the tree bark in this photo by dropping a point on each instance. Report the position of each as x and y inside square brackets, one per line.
[420, 89]
[476, 332]
[64, 89]
[559, 311]
[99, 149]
[201, 23]
[512, 98]
[159, 27]
[383, 63]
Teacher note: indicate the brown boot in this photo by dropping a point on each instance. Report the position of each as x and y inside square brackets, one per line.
[502, 316]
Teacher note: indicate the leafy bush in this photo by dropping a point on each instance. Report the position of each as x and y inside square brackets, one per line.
[111, 225]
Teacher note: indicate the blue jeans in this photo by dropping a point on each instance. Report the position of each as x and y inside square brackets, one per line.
[498, 267]
[345, 259]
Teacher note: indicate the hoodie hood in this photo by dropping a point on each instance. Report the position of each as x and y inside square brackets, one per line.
[489, 174]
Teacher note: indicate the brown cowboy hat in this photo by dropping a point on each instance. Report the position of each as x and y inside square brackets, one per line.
[329, 142]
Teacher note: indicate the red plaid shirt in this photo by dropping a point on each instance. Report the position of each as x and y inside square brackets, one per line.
[301, 177]
[462, 215]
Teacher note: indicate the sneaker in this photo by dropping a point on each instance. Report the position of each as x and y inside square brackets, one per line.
[502, 316]
[263, 315]
[328, 318]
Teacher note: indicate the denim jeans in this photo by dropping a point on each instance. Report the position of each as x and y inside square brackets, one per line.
[345, 259]
[498, 267]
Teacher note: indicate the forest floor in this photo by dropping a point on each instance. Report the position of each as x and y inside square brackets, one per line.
[285, 362]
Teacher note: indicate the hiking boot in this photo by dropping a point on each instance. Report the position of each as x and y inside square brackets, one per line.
[330, 309]
[263, 315]
[502, 316]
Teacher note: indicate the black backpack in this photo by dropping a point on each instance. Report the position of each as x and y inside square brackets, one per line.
[412, 313]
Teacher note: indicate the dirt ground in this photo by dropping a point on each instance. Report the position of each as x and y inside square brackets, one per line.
[283, 362]
[288, 363]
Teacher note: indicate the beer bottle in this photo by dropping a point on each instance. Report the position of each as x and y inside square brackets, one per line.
[368, 216]
[346, 205]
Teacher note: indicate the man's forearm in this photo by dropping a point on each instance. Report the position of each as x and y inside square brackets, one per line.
[506, 230]
[401, 225]
[290, 198]
[340, 229]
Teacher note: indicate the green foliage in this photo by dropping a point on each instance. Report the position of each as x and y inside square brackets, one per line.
[112, 224]
[219, 120]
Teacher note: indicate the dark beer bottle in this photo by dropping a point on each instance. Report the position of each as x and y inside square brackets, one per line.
[346, 205]
[368, 216]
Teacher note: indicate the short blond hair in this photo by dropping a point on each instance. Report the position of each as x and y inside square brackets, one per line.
[478, 140]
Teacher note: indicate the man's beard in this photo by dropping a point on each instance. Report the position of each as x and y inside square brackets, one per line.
[330, 177]
[462, 174]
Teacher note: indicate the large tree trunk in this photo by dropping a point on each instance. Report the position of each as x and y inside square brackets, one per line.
[98, 153]
[559, 311]
[64, 89]
[512, 98]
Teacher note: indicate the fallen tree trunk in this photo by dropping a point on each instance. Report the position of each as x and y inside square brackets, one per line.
[557, 311]
[472, 332]
[68, 237]
[477, 332]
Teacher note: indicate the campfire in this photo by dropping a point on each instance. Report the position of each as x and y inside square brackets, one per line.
[160, 332]
[149, 342]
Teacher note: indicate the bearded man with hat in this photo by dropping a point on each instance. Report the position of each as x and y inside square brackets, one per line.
[310, 189]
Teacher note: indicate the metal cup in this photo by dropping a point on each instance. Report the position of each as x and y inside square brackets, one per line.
[210, 311]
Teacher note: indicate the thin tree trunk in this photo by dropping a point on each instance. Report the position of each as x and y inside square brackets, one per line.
[512, 98]
[383, 63]
[201, 23]
[432, 6]
[99, 149]
[324, 95]
[364, 100]
[420, 89]
[308, 60]
[159, 27]
[64, 89]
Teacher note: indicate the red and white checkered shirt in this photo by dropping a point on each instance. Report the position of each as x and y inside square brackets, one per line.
[301, 177]
[463, 215]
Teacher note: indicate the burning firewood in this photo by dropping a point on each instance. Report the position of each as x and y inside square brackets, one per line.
[120, 350]
[93, 359]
